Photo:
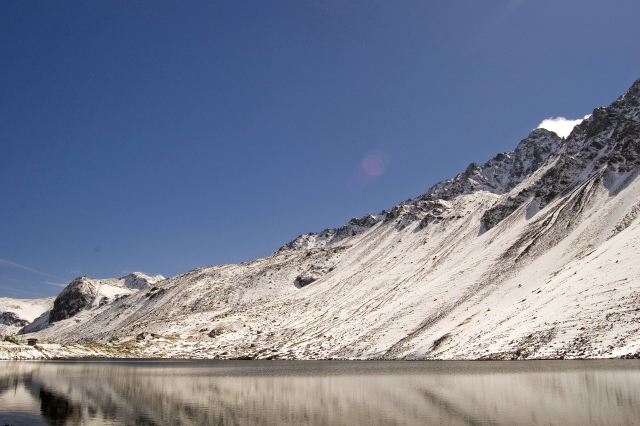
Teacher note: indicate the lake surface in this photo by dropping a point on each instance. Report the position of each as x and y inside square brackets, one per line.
[113, 392]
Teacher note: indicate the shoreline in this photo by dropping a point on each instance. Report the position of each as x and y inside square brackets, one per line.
[78, 351]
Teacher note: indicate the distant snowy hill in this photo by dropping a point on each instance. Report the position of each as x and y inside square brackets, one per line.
[531, 255]
[17, 313]
[84, 295]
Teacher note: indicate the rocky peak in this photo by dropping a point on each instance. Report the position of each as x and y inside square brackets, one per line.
[503, 172]
[73, 298]
[606, 142]
[85, 292]
[631, 96]
[608, 138]
[499, 175]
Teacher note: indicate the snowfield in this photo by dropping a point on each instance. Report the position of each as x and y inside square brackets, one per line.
[533, 255]
[16, 313]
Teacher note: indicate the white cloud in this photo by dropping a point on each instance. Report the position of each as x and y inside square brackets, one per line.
[561, 125]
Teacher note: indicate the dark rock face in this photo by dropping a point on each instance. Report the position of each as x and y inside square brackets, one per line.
[10, 318]
[312, 274]
[304, 280]
[503, 172]
[75, 297]
[155, 292]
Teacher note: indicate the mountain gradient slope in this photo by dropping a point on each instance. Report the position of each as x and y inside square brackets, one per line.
[531, 255]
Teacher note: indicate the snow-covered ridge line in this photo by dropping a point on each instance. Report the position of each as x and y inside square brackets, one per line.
[498, 175]
[505, 171]
[531, 255]
[608, 139]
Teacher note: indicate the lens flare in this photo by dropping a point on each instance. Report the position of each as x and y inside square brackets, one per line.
[373, 165]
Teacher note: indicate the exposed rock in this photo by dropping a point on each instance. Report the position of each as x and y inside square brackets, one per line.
[18, 313]
[10, 318]
[313, 274]
[75, 297]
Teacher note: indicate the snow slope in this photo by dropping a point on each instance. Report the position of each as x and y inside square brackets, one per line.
[16, 313]
[531, 255]
[85, 295]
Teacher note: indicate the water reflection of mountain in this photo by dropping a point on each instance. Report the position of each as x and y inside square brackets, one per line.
[7, 382]
[58, 410]
[205, 394]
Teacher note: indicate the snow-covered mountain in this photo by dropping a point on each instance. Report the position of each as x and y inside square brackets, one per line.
[84, 295]
[531, 255]
[17, 313]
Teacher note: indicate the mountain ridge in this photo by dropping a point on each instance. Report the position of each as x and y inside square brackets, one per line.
[539, 145]
[531, 255]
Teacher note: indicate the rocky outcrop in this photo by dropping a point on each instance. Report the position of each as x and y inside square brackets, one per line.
[503, 172]
[10, 318]
[88, 293]
[76, 296]
[311, 275]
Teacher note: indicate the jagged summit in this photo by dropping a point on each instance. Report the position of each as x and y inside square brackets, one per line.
[607, 142]
[613, 133]
[498, 176]
[631, 96]
[503, 172]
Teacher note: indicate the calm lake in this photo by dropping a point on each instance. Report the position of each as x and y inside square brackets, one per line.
[112, 392]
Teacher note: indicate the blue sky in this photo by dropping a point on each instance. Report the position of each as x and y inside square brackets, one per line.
[161, 136]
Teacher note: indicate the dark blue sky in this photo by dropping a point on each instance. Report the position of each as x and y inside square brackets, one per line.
[161, 136]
